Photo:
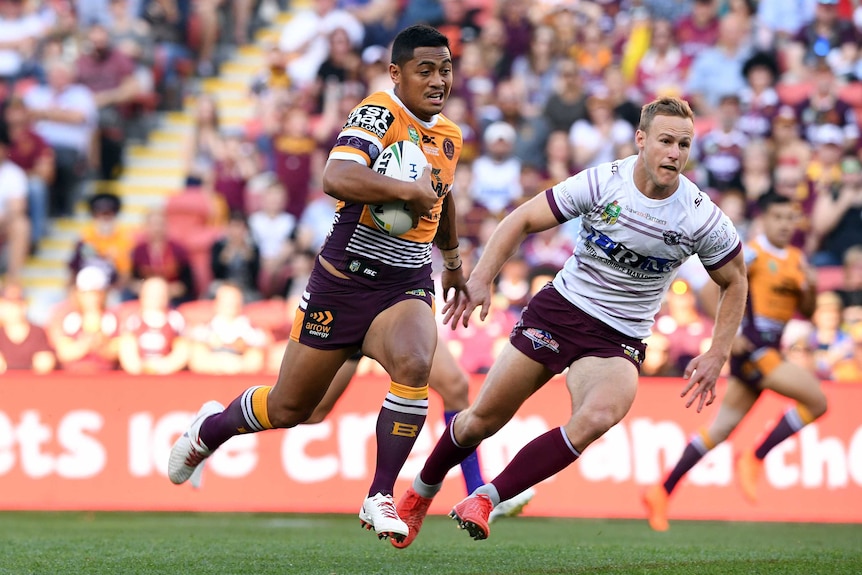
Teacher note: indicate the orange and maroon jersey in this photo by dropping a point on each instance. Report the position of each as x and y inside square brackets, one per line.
[775, 283]
[355, 245]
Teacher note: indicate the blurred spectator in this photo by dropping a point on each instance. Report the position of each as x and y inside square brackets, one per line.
[699, 30]
[460, 23]
[513, 283]
[274, 76]
[157, 255]
[720, 65]
[759, 100]
[458, 111]
[152, 340]
[789, 146]
[236, 259]
[316, 221]
[105, 243]
[517, 27]
[476, 346]
[850, 369]
[756, 171]
[663, 69]
[65, 115]
[789, 180]
[343, 64]
[683, 323]
[832, 343]
[837, 215]
[825, 32]
[779, 20]
[236, 162]
[824, 107]
[23, 345]
[228, 344]
[14, 224]
[720, 151]
[559, 165]
[568, 101]
[131, 35]
[624, 99]
[824, 172]
[379, 18]
[732, 202]
[851, 287]
[593, 55]
[547, 249]
[593, 138]
[36, 158]
[168, 21]
[294, 151]
[85, 333]
[206, 139]
[273, 230]
[493, 49]
[304, 38]
[797, 344]
[496, 179]
[657, 361]
[537, 69]
[110, 75]
[20, 34]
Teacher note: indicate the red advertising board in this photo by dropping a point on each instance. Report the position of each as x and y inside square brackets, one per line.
[102, 443]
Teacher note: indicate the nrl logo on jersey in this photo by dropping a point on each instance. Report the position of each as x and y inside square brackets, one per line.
[611, 213]
[413, 134]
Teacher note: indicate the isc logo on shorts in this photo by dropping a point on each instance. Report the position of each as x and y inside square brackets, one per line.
[318, 322]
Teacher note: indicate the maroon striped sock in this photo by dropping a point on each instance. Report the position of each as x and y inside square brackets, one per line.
[543, 457]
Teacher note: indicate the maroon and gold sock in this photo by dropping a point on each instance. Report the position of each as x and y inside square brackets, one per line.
[245, 414]
[794, 419]
[543, 457]
[398, 425]
[697, 448]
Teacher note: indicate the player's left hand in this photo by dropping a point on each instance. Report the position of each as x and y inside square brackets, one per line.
[453, 281]
[702, 372]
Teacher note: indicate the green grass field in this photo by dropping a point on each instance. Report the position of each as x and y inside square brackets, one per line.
[248, 544]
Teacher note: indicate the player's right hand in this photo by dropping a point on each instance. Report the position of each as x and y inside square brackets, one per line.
[423, 196]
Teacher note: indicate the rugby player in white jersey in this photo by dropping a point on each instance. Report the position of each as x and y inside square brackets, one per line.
[640, 220]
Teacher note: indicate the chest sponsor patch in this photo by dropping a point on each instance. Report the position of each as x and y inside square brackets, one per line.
[541, 338]
[374, 119]
[318, 322]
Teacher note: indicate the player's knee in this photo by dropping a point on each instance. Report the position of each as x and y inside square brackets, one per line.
[471, 428]
[818, 407]
[597, 420]
[284, 416]
[412, 369]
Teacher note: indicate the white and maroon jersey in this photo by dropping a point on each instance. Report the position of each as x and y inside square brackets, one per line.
[155, 333]
[630, 246]
[355, 246]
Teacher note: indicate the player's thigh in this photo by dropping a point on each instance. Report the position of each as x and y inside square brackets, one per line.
[799, 384]
[512, 379]
[402, 338]
[738, 400]
[336, 389]
[303, 379]
[602, 391]
[448, 379]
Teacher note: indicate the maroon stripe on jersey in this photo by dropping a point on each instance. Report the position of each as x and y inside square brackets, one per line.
[590, 271]
[641, 227]
[711, 222]
[593, 176]
[726, 258]
[552, 202]
[360, 144]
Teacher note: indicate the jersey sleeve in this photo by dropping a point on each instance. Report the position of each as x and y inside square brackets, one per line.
[717, 243]
[366, 132]
[573, 196]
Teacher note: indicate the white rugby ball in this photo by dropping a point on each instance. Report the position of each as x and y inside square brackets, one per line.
[403, 161]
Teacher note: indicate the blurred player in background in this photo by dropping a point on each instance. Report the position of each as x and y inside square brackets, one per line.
[780, 284]
[640, 220]
[368, 291]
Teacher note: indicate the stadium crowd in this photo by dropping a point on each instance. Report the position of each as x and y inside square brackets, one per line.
[543, 89]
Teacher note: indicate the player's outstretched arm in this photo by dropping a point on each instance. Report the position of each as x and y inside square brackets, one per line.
[702, 372]
[533, 216]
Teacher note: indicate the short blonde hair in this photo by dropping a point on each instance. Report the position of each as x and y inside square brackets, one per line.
[667, 106]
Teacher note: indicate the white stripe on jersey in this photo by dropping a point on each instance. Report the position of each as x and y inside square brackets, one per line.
[392, 251]
[630, 246]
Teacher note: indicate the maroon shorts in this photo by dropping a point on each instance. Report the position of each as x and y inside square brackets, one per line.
[335, 313]
[555, 333]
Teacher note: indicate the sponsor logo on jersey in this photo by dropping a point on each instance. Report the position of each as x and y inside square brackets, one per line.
[541, 338]
[416, 292]
[413, 134]
[449, 148]
[429, 151]
[698, 199]
[374, 119]
[439, 186]
[426, 139]
[632, 352]
[611, 213]
[318, 322]
[671, 238]
[629, 259]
